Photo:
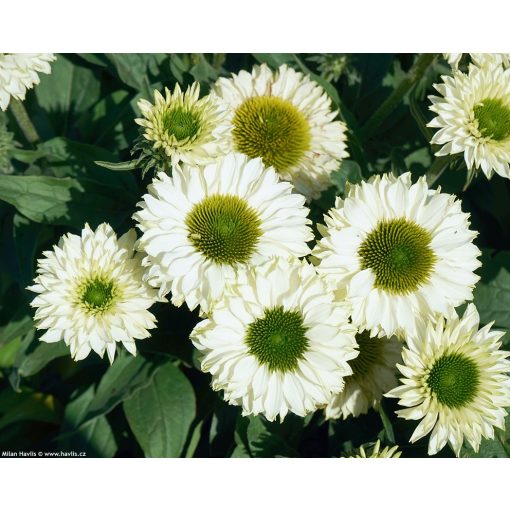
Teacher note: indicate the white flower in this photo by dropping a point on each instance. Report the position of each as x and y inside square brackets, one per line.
[374, 373]
[473, 117]
[91, 293]
[455, 381]
[400, 252]
[181, 127]
[377, 453]
[201, 226]
[480, 59]
[286, 119]
[277, 342]
[18, 72]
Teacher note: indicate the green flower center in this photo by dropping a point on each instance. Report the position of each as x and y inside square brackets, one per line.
[493, 118]
[97, 295]
[273, 129]
[370, 353]
[181, 123]
[398, 253]
[278, 339]
[224, 228]
[454, 380]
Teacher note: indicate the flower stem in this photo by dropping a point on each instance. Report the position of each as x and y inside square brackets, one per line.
[24, 122]
[420, 66]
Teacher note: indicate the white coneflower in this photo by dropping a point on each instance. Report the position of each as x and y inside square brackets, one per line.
[284, 118]
[277, 342]
[455, 381]
[201, 226]
[400, 251]
[181, 127]
[473, 118]
[374, 373]
[91, 293]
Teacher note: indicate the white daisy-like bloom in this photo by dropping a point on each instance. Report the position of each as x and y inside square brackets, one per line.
[480, 59]
[455, 381]
[375, 452]
[277, 342]
[473, 117]
[91, 293]
[201, 226]
[19, 72]
[286, 119]
[400, 253]
[182, 127]
[374, 373]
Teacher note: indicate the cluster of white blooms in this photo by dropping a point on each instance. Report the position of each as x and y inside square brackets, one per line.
[225, 230]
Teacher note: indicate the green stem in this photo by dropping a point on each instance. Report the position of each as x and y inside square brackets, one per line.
[420, 66]
[24, 122]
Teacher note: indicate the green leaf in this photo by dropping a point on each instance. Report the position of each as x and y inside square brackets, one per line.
[8, 353]
[388, 427]
[123, 165]
[19, 325]
[133, 68]
[492, 293]
[202, 71]
[349, 171]
[267, 439]
[94, 437]
[125, 377]
[26, 236]
[16, 407]
[161, 414]
[63, 201]
[67, 92]
[274, 60]
[36, 360]
[42, 199]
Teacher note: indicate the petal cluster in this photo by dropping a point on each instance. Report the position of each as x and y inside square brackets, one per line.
[80, 264]
[310, 174]
[221, 339]
[173, 261]
[485, 409]
[450, 279]
[458, 130]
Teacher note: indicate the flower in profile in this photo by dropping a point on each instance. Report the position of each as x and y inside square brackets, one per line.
[201, 226]
[374, 373]
[399, 251]
[181, 127]
[473, 118]
[375, 452]
[91, 293]
[277, 342]
[284, 118]
[18, 72]
[455, 381]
